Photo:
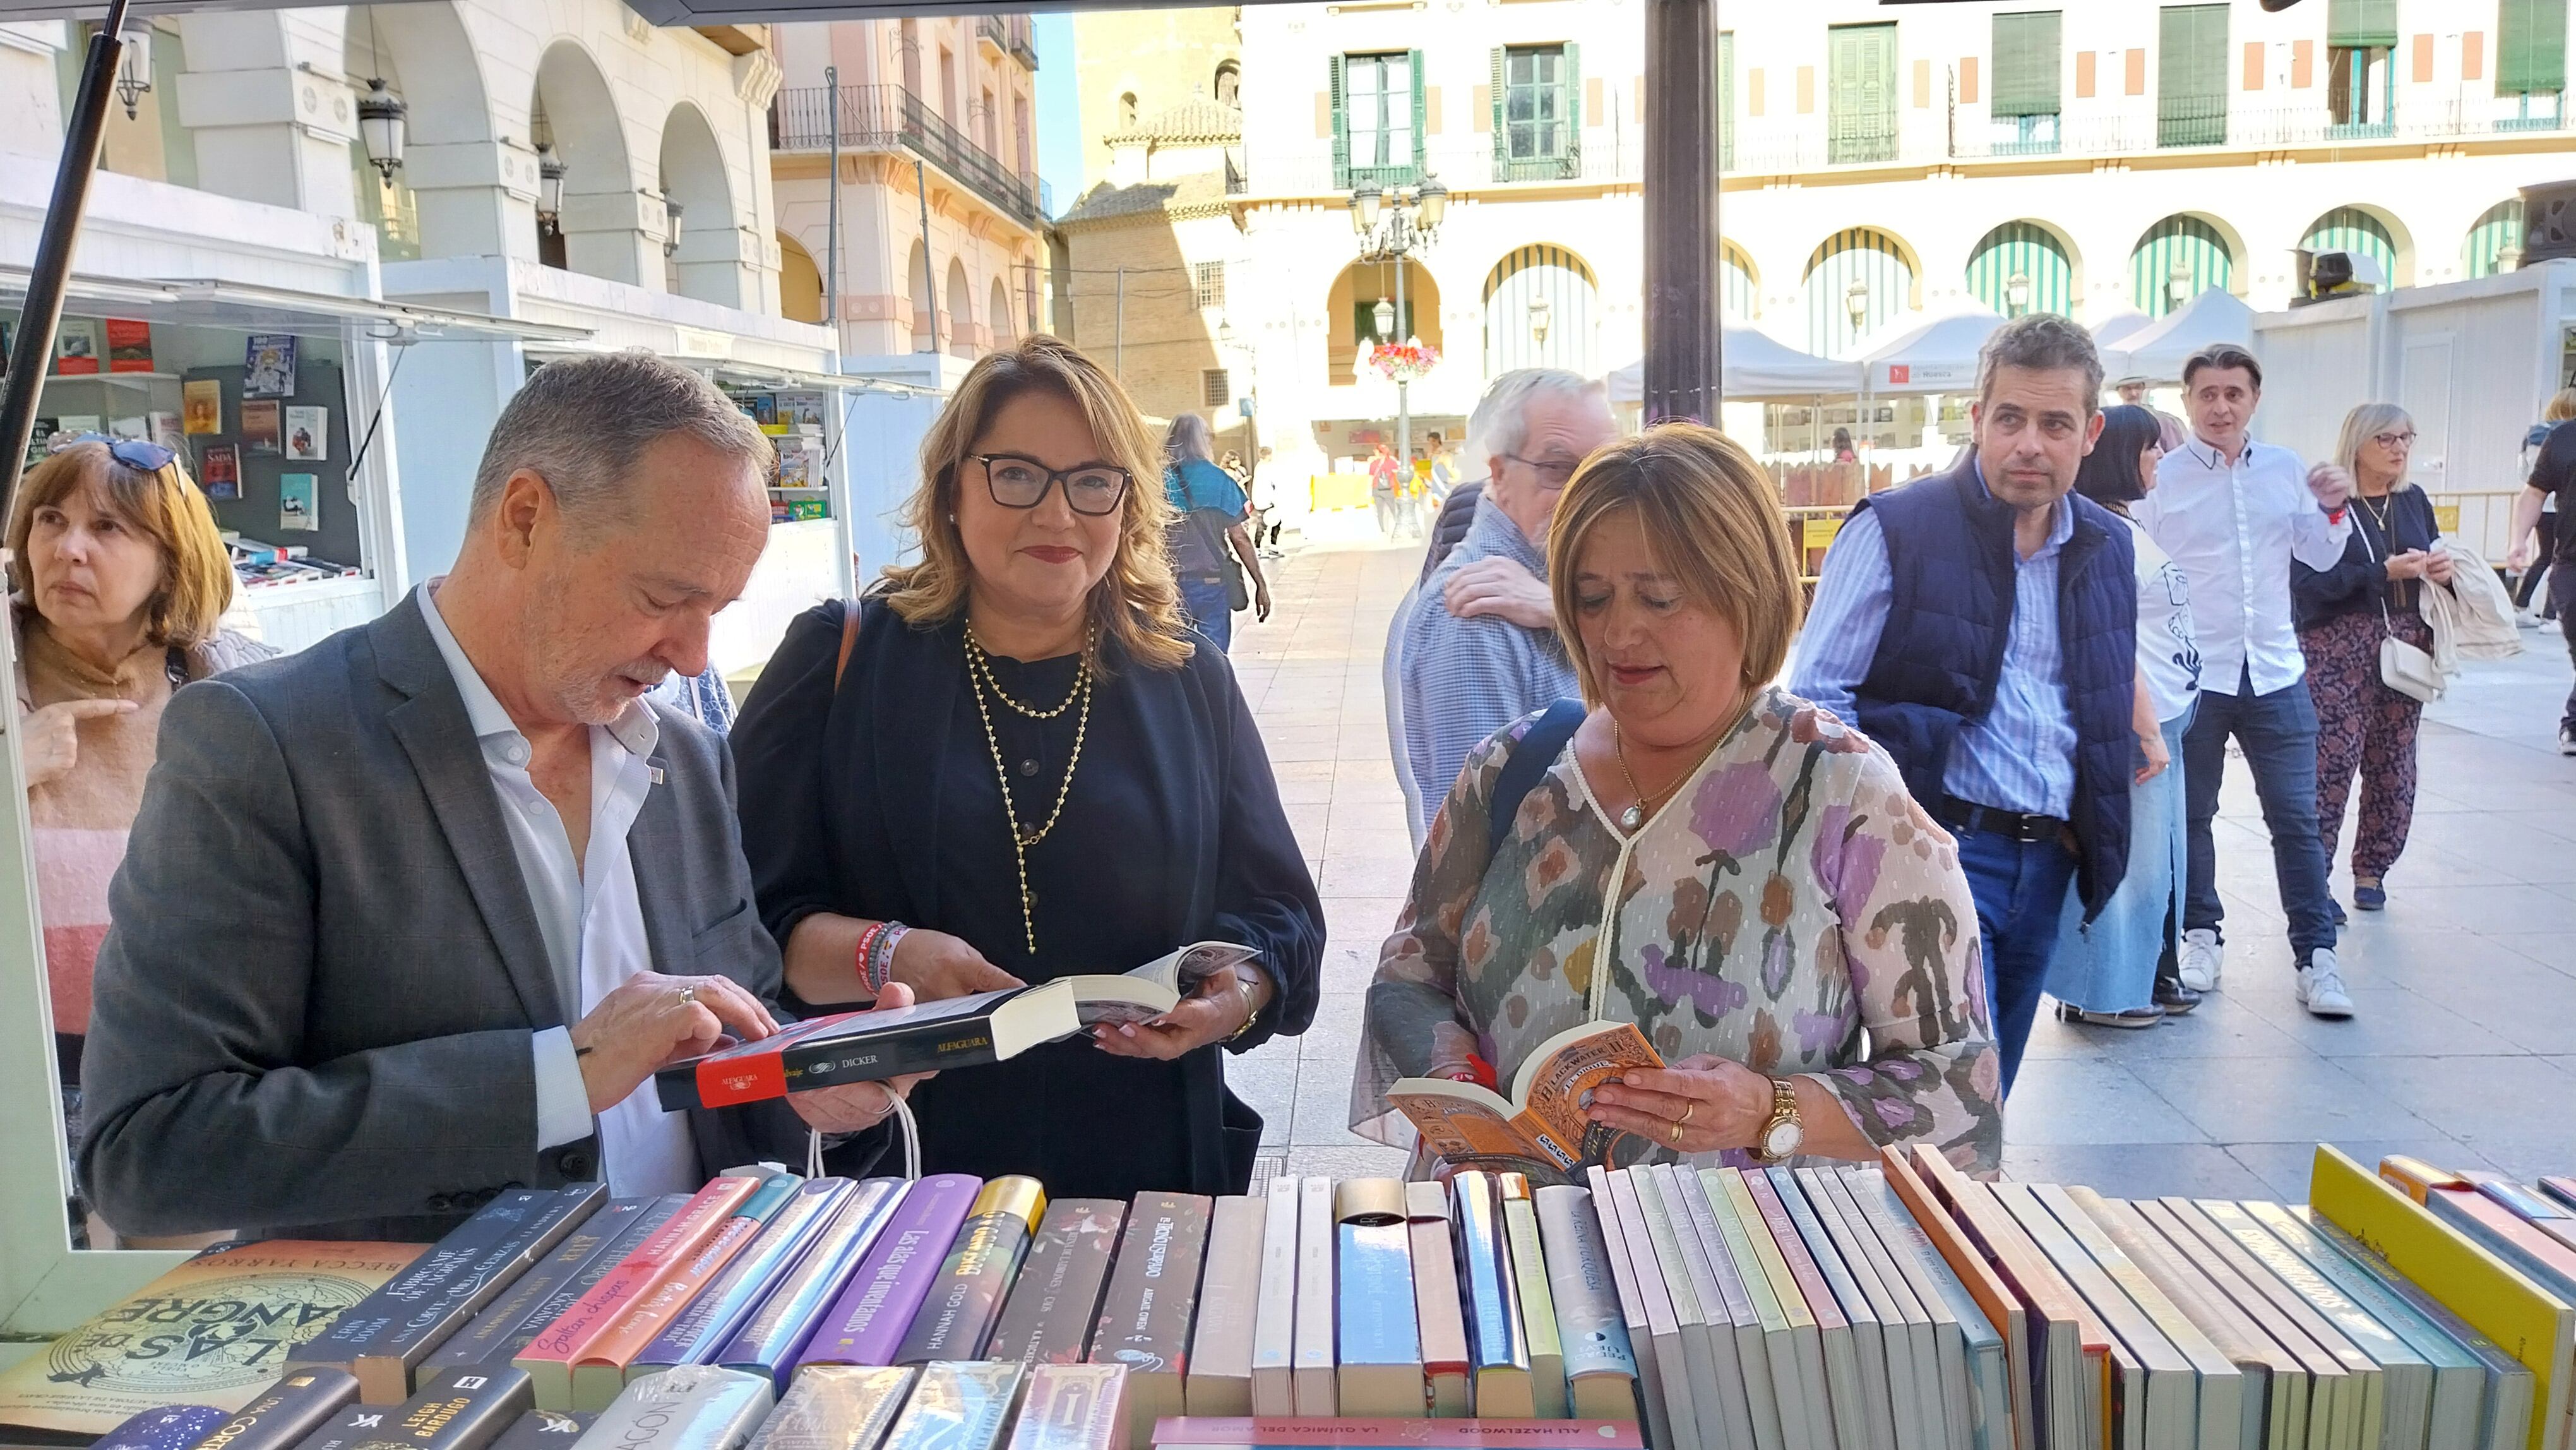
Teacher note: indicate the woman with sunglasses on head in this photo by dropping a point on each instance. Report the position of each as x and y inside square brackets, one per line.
[2343, 613]
[1013, 761]
[117, 580]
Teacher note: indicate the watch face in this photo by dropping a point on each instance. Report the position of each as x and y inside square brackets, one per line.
[1782, 1140]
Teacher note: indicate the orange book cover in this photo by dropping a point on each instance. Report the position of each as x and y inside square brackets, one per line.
[614, 1348]
[2024, 1267]
[216, 1331]
[549, 1357]
[2002, 1307]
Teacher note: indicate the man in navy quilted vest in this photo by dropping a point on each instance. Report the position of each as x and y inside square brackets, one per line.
[1981, 626]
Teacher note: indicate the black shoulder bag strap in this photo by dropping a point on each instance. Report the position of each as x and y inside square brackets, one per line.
[1527, 764]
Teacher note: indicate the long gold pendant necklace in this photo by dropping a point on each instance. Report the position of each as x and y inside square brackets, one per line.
[1635, 815]
[979, 672]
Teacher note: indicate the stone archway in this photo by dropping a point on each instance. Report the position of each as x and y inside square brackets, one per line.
[693, 176]
[800, 282]
[1350, 313]
[601, 223]
[1857, 264]
[962, 333]
[423, 54]
[1542, 309]
[997, 317]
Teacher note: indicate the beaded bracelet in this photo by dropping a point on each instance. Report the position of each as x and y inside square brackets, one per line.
[867, 945]
[881, 964]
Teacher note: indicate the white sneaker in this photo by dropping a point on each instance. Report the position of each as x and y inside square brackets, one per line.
[2201, 960]
[2321, 986]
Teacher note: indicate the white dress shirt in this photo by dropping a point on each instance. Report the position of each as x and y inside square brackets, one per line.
[2234, 530]
[591, 919]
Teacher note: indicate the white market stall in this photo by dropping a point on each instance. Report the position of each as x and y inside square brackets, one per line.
[2158, 352]
[1758, 368]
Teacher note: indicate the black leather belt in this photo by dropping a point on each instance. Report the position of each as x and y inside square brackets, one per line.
[2011, 825]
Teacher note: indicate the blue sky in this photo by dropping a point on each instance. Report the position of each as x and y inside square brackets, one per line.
[1059, 109]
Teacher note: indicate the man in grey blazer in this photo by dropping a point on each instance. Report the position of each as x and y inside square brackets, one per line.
[412, 916]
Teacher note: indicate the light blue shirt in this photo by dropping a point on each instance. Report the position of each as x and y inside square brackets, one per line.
[589, 915]
[2021, 756]
[1464, 679]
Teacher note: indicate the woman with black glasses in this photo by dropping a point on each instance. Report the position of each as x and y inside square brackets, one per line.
[1010, 762]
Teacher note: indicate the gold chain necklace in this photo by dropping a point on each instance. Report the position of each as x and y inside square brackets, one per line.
[2380, 511]
[978, 672]
[1635, 815]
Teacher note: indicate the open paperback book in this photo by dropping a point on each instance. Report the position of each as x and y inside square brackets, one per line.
[1542, 1126]
[1156, 987]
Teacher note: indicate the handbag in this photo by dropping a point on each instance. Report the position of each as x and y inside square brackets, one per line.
[2403, 667]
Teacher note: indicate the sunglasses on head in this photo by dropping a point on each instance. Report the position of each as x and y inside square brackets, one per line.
[134, 453]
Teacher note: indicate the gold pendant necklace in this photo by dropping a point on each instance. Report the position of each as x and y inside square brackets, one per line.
[979, 676]
[1635, 815]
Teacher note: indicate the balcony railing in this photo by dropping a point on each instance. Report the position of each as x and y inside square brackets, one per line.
[1010, 34]
[886, 118]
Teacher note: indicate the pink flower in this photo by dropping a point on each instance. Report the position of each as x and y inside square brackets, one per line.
[1737, 810]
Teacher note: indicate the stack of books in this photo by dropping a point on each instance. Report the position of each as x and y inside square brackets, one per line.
[1897, 1305]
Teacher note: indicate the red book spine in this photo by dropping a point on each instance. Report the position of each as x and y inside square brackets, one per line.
[756, 1071]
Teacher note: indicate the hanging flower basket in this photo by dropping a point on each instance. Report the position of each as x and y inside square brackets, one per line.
[1403, 362]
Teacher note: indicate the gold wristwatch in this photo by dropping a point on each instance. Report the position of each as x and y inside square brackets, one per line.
[1781, 1133]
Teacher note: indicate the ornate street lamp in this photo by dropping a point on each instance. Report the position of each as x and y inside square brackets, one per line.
[2017, 294]
[1856, 302]
[2178, 280]
[671, 233]
[1411, 214]
[1384, 313]
[383, 126]
[550, 186]
[134, 67]
[1541, 313]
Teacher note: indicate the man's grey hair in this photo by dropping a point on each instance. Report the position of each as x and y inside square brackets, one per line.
[1500, 423]
[581, 424]
[1188, 439]
[2042, 342]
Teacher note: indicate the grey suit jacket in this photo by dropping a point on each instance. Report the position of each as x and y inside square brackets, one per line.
[312, 1012]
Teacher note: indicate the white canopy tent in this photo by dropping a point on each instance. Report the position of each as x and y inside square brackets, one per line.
[1758, 368]
[2157, 353]
[2111, 331]
[1930, 355]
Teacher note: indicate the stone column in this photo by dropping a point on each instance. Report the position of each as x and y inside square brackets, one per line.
[271, 122]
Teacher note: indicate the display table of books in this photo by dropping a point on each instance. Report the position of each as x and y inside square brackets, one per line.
[1894, 1306]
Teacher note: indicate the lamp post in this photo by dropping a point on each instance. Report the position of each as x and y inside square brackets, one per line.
[1411, 214]
[2178, 280]
[382, 125]
[1541, 314]
[1856, 302]
[2017, 294]
[550, 186]
[134, 70]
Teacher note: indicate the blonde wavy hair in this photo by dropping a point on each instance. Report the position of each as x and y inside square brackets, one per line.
[2362, 424]
[1712, 517]
[2561, 406]
[1136, 603]
[164, 506]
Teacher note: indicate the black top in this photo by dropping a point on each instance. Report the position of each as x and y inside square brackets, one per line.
[882, 801]
[2359, 583]
[2554, 472]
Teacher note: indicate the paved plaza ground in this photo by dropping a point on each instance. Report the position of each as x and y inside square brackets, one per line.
[2463, 1051]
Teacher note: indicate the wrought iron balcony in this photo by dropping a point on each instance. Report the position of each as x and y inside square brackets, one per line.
[889, 118]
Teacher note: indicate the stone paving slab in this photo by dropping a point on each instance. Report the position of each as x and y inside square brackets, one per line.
[2463, 1052]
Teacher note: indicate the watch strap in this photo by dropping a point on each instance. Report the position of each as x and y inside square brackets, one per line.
[1784, 1109]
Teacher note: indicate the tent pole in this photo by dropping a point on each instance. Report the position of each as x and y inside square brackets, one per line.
[34, 347]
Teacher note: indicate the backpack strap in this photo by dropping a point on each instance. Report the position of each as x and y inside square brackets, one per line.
[850, 611]
[1531, 756]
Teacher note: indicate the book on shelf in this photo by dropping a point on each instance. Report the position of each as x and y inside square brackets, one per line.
[1055, 1303]
[2345, 1397]
[2559, 1187]
[1150, 1307]
[302, 1400]
[215, 1331]
[710, 1319]
[956, 1319]
[549, 1358]
[1155, 988]
[867, 1323]
[1497, 1347]
[1073, 1407]
[1904, 1331]
[1746, 1402]
[2012, 1422]
[606, 1364]
[1600, 1369]
[1219, 1379]
[1439, 1321]
[1274, 1317]
[1378, 1339]
[2152, 1400]
[850, 1047]
[770, 1341]
[2073, 1356]
[686, 1407]
[1663, 1378]
[1349, 1434]
[1311, 1386]
[1955, 1376]
[2272, 1398]
[1856, 1380]
[1519, 1223]
[622, 1222]
[957, 1406]
[165, 1427]
[1781, 1350]
[2214, 1409]
[835, 1407]
[456, 1409]
[1541, 1128]
[1829, 1364]
[2531, 1206]
[2506, 1404]
[545, 1430]
[1695, 1303]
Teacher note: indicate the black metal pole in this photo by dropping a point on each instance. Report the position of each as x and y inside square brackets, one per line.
[34, 346]
[1681, 242]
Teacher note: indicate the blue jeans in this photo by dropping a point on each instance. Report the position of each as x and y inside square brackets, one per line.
[2020, 889]
[2110, 966]
[1209, 611]
[2278, 732]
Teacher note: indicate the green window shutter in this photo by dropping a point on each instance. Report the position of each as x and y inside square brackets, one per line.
[1502, 130]
[1341, 129]
[1860, 93]
[2191, 87]
[2532, 49]
[2361, 23]
[2026, 63]
[1418, 112]
[1573, 93]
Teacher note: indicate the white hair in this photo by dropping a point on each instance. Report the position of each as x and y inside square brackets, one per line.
[1188, 439]
[1500, 423]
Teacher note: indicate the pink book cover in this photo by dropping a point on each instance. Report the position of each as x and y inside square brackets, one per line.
[641, 1272]
[1173, 1431]
[1802, 1266]
[866, 1325]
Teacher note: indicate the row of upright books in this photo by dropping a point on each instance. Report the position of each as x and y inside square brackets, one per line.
[1892, 1306]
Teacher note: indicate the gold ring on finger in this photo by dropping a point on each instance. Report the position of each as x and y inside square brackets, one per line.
[1677, 1135]
[1689, 1106]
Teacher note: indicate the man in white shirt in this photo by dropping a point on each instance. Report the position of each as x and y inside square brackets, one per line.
[415, 914]
[2234, 513]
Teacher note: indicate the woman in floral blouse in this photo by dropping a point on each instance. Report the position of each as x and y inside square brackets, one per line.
[1791, 931]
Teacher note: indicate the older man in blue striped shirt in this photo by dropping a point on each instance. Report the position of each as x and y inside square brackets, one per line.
[1981, 625]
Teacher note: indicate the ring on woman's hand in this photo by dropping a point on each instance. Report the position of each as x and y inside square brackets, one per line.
[688, 995]
[1689, 1106]
[1677, 1135]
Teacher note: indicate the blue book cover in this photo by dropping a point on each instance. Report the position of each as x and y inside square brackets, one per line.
[712, 1318]
[770, 1340]
[1376, 1272]
[1494, 1339]
[173, 1427]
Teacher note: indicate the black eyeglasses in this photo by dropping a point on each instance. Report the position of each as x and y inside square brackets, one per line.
[134, 453]
[1554, 475]
[2393, 440]
[1094, 489]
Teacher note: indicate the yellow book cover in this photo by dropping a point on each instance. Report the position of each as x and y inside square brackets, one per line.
[2525, 1320]
[213, 1331]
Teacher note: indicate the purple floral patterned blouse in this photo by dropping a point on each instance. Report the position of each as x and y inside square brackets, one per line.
[1790, 908]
